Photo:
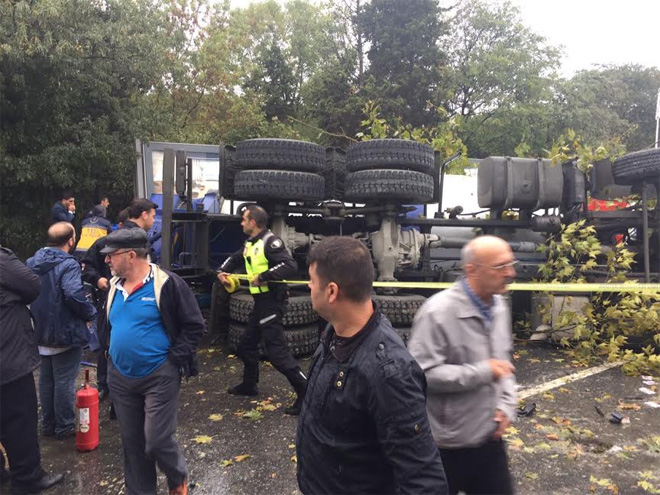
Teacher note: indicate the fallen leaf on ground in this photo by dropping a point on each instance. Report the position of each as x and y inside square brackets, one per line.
[253, 414]
[227, 462]
[552, 436]
[294, 458]
[200, 392]
[629, 406]
[532, 476]
[242, 457]
[215, 417]
[203, 439]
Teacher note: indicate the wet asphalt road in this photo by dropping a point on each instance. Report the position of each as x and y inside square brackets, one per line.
[566, 447]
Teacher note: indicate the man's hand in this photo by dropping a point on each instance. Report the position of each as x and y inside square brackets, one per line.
[502, 424]
[256, 282]
[224, 278]
[500, 368]
[102, 284]
[72, 207]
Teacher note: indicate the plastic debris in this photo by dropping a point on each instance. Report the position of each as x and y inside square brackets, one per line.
[527, 410]
[616, 417]
[647, 391]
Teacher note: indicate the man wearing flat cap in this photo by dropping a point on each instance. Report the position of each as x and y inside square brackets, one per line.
[152, 328]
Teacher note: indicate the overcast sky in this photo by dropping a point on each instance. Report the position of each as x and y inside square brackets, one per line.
[591, 31]
[597, 31]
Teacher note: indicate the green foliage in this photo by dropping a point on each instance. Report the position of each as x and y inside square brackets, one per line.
[498, 77]
[608, 324]
[609, 102]
[404, 57]
[71, 73]
[569, 146]
[441, 137]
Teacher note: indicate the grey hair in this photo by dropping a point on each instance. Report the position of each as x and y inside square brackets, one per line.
[141, 252]
[467, 254]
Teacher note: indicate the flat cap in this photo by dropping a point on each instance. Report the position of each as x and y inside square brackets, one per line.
[126, 239]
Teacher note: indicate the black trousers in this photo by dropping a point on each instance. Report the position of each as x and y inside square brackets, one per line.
[18, 429]
[266, 321]
[101, 361]
[480, 470]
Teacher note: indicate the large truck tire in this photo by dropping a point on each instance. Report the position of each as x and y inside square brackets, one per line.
[298, 310]
[301, 341]
[278, 184]
[635, 167]
[400, 309]
[383, 184]
[335, 174]
[390, 154]
[404, 333]
[220, 311]
[280, 154]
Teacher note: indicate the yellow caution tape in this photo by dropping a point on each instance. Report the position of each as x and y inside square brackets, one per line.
[530, 286]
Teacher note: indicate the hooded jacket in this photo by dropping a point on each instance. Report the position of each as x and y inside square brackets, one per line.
[19, 286]
[61, 310]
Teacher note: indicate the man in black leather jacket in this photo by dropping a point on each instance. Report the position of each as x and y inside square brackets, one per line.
[19, 357]
[363, 426]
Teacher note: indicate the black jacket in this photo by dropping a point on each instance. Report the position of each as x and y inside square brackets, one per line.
[19, 354]
[280, 263]
[59, 213]
[181, 316]
[363, 426]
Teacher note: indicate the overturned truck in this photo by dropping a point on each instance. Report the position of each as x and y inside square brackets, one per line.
[383, 192]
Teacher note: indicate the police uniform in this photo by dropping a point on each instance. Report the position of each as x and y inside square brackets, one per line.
[264, 255]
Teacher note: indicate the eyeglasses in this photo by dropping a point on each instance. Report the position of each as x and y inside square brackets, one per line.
[502, 266]
[110, 255]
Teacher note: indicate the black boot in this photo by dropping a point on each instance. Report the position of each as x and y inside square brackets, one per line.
[244, 389]
[298, 381]
[294, 409]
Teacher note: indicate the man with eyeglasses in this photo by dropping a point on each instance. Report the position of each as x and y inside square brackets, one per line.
[153, 325]
[461, 338]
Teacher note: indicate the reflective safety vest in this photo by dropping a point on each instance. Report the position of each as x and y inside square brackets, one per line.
[89, 234]
[256, 262]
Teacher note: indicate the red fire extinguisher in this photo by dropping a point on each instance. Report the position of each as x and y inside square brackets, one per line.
[87, 415]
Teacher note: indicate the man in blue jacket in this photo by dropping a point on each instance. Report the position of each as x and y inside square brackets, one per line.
[61, 313]
[65, 209]
[18, 396]
[363, 427]
[152, 329]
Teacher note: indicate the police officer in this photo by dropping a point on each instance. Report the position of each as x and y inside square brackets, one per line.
[266, 260]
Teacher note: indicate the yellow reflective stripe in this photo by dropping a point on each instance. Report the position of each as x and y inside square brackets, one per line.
[530, 286]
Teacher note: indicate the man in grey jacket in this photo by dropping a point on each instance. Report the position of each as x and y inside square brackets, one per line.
[462, 340]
